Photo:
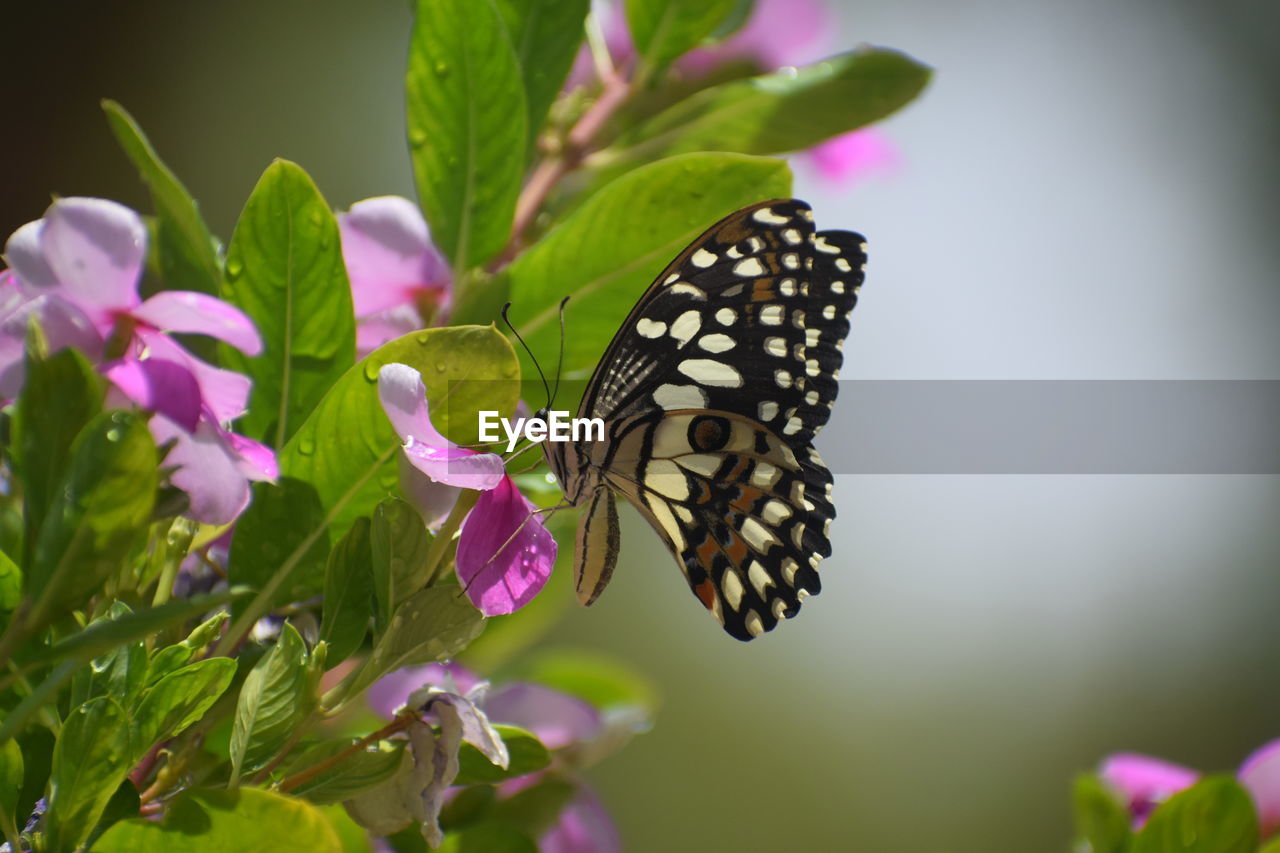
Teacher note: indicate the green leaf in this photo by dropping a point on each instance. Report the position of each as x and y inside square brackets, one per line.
[1215, 815]
[37, 758]
[101, 636]
[119, 673]
[779, 112]
[102, 510]
[91, 758]
[535, 809]
[354, 774]
[11, 775]
[546, 35]
[10, 583]
[1101, 819]
[178, 700]
[596, 677]
[347, 449]
[1273, 847]
[59, 396]
[248, 819]
[400, 544]
[170, 658]
[664, 30]
[611, 248]
[488, 837]
[528, 755]
[433, 624]
[272, 700]
[348, 593]
[284, 517]
[124, 804]
[187, 251]
[467, 119]
[285, 270]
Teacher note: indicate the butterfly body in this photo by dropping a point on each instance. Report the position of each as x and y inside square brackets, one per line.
[711, 394]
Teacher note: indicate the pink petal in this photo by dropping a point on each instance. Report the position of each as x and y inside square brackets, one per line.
[505, 554]
[159, 386]
[388, 253]
[64, 325]
[455, 466]
[200, 314]
[404, 399]
[1143, 781]
[392, 690]
[257, 462]
[208, 470]
[558, 719]
[778, 33]
[432, 500]
[784, 32]
[617, 40]
[24, 252]
[584, 826]
[224, 392]
[96, 249]
[376, 329]
[1260, 774]
[854, 155]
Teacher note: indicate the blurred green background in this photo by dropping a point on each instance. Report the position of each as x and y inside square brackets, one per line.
[1087, 190]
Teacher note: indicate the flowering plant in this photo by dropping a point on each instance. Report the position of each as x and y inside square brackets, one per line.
[243, 484]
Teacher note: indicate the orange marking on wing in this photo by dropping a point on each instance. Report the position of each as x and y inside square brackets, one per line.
[706, 592]
[762, 290]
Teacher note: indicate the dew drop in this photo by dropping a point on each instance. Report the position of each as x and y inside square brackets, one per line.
[442, 69]
[306, 445]
[371, 371]
[441, 367]
[234, 268]
[417, 138]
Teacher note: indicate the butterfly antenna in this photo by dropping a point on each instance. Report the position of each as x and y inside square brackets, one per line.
[560, 357]
[546, 386]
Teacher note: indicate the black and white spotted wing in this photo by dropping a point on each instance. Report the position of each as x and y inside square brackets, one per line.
[712, 392]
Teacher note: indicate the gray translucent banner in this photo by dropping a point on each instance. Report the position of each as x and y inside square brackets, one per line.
[1035, 426]
[1054, 427]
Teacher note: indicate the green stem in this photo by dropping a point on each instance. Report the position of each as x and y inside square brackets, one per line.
[435, 556]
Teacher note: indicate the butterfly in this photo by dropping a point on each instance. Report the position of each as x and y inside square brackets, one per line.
[711, 393]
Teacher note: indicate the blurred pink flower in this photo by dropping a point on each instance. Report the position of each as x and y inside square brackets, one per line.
[854, 155]
[399, 280]
[1145, 782]
[77, 270]
[778, 33]
[505, 552]
[560, 722]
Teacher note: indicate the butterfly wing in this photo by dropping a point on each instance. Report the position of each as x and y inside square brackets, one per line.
[712, 393]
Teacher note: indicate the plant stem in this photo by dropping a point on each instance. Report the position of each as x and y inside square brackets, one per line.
[439, 545]
[552, 170]
[399, 724]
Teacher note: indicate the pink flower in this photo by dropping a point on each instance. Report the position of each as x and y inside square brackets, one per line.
[854, 155]
[505, 552]
[76, 271]
[1260, 774]
[779, 33]
[398, 278]
[1145, 782]
[561, 722]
